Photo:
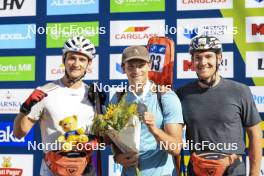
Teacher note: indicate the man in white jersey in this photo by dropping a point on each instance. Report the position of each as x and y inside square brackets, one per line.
[62, 98]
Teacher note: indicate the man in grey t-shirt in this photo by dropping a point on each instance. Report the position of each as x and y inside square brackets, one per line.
[216, 111]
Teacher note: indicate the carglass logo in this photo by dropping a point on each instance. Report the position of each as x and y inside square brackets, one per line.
[7, 137]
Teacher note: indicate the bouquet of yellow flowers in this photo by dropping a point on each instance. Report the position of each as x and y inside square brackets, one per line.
[121, 124]
[116, 117]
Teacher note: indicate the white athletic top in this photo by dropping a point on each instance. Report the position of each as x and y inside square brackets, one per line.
[61, 102]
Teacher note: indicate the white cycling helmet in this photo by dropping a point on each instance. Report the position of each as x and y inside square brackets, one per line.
[81, 45]
[204, 42]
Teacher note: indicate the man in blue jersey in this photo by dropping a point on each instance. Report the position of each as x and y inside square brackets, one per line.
[158, 126]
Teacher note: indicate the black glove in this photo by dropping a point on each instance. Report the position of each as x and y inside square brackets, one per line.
[92, 91]
[35, 97]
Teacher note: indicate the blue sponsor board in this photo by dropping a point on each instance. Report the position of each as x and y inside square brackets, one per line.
[8, 139]
[66, 7]
[17, 36]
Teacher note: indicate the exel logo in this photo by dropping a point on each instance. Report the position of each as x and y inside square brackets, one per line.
[7, 137]
[11, 4]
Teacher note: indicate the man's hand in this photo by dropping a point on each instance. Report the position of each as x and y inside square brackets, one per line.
[35, 97]
[149, 120]
[127, 159]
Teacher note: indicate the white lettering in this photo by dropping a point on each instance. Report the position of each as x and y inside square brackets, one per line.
[7, 136]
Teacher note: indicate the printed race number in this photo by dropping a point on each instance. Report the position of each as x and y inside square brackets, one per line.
[157, 62]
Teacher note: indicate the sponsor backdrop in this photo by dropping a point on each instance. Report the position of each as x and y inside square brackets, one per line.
[32, 35]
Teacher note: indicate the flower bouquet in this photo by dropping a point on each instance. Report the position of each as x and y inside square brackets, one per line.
[121, 124]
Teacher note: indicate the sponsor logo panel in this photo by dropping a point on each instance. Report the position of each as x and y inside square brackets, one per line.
[258, 96]
[10, 164]
[65, 7]
[116, 70]
[261, 166]
[17, 36]
[18, 68]
[55, 68]
[58, 33]
[255, 29]
[135, 32]
[7, 137]
[137, 5]
[204, 5]
[11, 100]
[254, 4]
[185, 68]
[10, 8]
[222, 28]
[255, 64]
[114, 168]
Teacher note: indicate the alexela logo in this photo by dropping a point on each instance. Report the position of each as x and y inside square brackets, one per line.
[71, 2]
[123, 33]
[66, 7]
[7, 137]
[11, 100]
[16, 36]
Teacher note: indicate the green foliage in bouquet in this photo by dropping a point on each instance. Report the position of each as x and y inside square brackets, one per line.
[116, 116]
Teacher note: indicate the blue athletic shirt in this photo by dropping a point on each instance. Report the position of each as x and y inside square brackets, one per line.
[152, 160]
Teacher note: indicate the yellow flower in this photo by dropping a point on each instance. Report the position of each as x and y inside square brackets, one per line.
[116, 116]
